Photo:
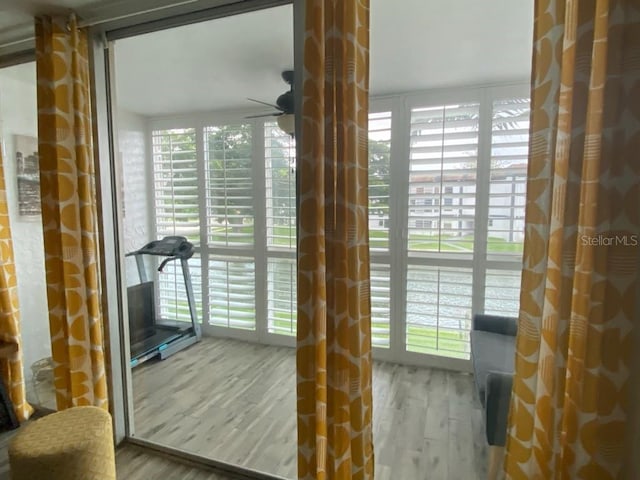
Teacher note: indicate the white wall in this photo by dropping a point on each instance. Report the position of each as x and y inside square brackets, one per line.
[18, 116]
[135, 192]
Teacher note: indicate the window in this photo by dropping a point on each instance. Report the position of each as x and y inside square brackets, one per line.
[502, 292]
[232, 292]
[175, 168]
[448, 198]
[379, 215]
[379, 178]
[175, 172]
[229, 195]
[280, 177]
[280, 157]
[438, 310]
[230, 222]
[449, 246]
[509, 151]
[282, 303]
[214, 204]
[443, 153]
[448, 274]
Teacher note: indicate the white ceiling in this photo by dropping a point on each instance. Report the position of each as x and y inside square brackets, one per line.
[212, 65]
[415, 45]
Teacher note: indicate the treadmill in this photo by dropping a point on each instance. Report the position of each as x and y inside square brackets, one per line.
[151, 336]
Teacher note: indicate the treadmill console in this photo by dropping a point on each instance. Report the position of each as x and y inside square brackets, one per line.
[171, 246]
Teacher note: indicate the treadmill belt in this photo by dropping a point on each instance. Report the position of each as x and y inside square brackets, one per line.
[158, 338]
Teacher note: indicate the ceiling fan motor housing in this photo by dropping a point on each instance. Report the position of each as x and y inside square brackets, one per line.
[285, 101]
[287, 76]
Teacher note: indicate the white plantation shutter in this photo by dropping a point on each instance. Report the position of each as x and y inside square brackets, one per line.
[507, 197]
[230, 225]
[247, 264]
[509, 156]
[232, 292]
[280, 188]
[442, 181]
[379, 221]
[379, 179]
[175, 183]
[502, 292]
[380, 277]
[280, 177]
[281, 300]
[438, 310]
[172, 301]
[176, 213]
[229, 193]
[443, 160]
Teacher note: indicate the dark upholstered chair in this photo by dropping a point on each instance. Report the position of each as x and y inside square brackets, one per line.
[493, 342]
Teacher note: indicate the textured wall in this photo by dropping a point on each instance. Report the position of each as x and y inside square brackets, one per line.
[135, 173]
[18, 116]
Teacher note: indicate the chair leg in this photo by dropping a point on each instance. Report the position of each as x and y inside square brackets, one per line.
[496, 459]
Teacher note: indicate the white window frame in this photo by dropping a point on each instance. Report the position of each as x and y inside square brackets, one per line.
[478, 262]
[396, 258]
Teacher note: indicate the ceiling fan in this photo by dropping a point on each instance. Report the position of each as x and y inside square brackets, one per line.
[284, 106]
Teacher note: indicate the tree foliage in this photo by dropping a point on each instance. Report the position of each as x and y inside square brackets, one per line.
[230, 185]
[379, 166]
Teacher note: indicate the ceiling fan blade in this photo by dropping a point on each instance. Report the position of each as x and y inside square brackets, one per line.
[264, 103]
[274, 114]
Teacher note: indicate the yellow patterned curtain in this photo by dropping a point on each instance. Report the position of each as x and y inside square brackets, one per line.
[11, 368]
[69, 215]
[334, 318]
[579, 310]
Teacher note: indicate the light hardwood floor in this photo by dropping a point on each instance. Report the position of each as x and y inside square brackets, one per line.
[132, 463]
[234, 402]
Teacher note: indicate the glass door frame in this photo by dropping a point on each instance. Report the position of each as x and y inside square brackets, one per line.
[110, 199]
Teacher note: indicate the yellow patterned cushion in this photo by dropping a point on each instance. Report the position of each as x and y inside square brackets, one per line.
[74, 444]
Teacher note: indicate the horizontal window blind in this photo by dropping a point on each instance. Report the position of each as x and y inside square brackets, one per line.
[509, 157]
[229, 195]
[280, 177]
[232, 292]
[438, 214]
[173, 304]
[438, 310]
[379, 179]
[175, 183]
[502, 292]
[442, 178]
[380, 276]
[281, 296]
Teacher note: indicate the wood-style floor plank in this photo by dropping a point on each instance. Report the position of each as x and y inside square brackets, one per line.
[235, 402]
[132, 463]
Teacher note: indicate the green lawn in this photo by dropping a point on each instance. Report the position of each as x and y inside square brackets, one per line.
[445, 243]
[420, 339]
[284, 236]
[423, 339]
